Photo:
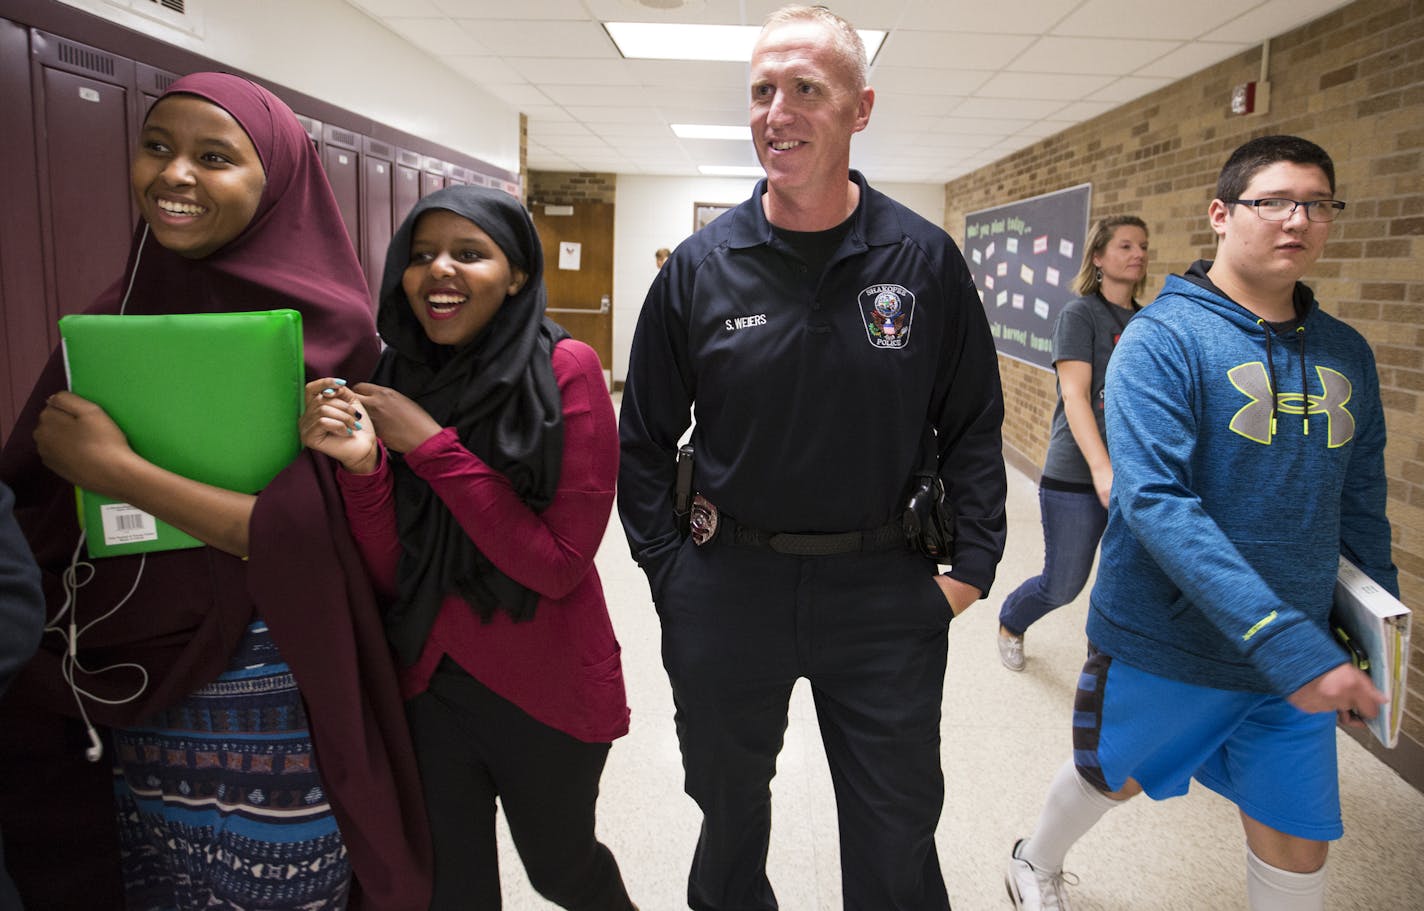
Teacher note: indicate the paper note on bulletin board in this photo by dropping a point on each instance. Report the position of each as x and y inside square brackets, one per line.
[569, 255]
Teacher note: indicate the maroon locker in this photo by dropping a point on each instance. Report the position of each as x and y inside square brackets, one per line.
[313, 128]
[378, 200]
[25, 337]
[82, 98]
[151, 82]
[343, 171]
[408, 193]
[432, 176]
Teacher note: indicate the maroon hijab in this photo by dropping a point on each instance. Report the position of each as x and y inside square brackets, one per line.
[303, 575]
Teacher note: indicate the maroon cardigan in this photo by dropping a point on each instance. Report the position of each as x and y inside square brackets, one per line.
[562, 667]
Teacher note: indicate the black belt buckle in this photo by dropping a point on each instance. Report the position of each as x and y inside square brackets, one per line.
[703, 522]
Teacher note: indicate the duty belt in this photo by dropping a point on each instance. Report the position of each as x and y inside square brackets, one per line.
[719, 525]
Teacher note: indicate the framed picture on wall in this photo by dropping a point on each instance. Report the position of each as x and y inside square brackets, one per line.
[704, 212]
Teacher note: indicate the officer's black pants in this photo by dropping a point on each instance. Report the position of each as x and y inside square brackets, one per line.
[740, 625]
[472, 745]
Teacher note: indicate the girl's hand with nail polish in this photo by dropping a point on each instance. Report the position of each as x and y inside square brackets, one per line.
[334, 423]
[404, 425]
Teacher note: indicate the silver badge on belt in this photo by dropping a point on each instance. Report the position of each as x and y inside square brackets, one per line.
[703, 522]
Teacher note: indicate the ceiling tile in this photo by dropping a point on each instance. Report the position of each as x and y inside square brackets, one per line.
[1191, 58]
[550, 129]
[596, 71]
[425, 9]
[1148, 18]
[525, 38]
[1028, 17]
[907, 107]
[1129, 88]
[692, 73]
[487, 71]
[435, 36]
[1273, 18]
[1022, 108]
[1057, 86]
[596, 114]
[914, 81]
[521, 97]
[1110, 56]
[503, 9]
[950, 50]
[999, 126]
[1079, 111]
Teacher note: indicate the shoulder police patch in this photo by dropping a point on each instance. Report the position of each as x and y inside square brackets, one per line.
[888, 311]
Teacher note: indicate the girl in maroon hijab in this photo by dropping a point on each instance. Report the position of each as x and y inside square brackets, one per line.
[260, 757]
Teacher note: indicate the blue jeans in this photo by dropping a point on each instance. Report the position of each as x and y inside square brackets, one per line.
[1072, 526]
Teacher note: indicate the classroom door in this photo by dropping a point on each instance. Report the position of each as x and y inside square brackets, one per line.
[578, 270]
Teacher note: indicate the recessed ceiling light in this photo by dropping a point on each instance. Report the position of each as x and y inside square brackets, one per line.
[711, 131]
[687, 41]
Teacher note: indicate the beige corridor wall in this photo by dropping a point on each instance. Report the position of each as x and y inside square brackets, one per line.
[1352, 81]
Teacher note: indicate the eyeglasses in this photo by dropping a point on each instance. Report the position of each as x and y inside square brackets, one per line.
[1278, 208]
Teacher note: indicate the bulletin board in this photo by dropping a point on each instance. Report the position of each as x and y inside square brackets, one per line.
[1024, 257]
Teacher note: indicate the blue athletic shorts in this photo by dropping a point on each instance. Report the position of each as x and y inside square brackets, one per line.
[1263, 754]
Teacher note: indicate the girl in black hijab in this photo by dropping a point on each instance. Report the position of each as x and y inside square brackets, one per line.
[479, 469]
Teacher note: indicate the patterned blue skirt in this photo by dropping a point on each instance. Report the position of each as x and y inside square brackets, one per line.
[220, 804]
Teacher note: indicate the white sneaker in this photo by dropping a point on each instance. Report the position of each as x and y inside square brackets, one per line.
[1011, 651]
[1031, 889]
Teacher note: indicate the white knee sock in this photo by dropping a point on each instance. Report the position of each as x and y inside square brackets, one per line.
[1269, 888]
[1072, 808]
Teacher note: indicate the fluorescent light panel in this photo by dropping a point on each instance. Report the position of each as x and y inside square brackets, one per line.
[685, 41]
[711, 131]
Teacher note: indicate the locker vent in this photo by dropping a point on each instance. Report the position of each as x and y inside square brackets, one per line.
[184, 15]
[175, 6]
[162, 81]
[74, 55]
[342, 137]
[378, 148]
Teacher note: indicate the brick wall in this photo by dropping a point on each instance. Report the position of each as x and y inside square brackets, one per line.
[1352, 81]
[560, 188]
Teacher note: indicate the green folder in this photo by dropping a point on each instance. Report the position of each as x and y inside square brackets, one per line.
[211, 396]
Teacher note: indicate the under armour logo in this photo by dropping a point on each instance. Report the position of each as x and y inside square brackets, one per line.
[1255, 422]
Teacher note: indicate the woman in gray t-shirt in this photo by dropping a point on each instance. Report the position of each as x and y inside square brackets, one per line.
[1077, 476]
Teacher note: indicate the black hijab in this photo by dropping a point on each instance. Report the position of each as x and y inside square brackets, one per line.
[500, 395]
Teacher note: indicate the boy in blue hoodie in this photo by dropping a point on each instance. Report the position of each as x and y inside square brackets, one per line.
[1230, 398]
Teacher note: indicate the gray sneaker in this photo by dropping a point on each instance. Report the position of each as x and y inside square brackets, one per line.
[1011, 651]
[1035, 890]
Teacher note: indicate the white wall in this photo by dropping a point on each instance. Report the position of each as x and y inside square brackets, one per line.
[653, 212]
[370, 70]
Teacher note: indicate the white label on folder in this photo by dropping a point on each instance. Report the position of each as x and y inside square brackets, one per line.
[125, 524]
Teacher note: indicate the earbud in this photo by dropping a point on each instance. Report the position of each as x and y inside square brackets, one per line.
[96, 746]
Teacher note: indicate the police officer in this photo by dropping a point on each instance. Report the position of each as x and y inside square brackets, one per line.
[833, 343]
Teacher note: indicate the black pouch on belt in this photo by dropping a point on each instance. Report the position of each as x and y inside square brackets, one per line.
[682, 492]
[928, 519]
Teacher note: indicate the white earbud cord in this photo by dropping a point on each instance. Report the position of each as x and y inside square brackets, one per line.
[123, 304]
[70, 632]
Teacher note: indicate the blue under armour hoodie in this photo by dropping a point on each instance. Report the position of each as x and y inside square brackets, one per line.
[1245, 461]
